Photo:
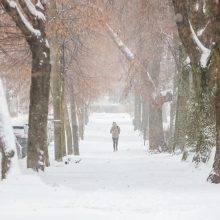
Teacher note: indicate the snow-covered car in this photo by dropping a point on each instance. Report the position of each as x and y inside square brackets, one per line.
[21, 140]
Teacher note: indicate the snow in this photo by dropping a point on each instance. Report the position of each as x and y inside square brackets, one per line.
[187, 61]
[205, 51]
[39, 5]
[201, 31]
[45, 54]
[28, 25]
[197, 6]
[6, 132]
[130, 184]
[47, 44]
[12, 4]
[120, 44]
[39, 15]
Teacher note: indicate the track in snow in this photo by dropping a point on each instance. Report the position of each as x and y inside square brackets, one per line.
[131, 184]
[126, 185]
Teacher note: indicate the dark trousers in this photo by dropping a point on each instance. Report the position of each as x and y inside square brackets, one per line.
[115, 144]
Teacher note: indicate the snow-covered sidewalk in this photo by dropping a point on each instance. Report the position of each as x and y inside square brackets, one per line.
[124, 185]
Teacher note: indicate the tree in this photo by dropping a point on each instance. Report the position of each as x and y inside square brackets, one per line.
[214, 7]
[199, 126]
[30, 19]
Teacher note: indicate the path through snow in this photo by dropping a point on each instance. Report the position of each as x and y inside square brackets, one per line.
[124, 185]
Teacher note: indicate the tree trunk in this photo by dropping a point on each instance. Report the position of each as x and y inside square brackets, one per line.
[39, 100]
[214, 177]
[56, 85]
[68, 131]
[204, 118]
[145, 120]
[214, 7]
[74, 123]
[137, 112]
[86, 114]
[156, 134]
[81, 121]
[181, 107]
[5, 159]
[57, 107]
[7, 138]
[173, 112]
[62, 117]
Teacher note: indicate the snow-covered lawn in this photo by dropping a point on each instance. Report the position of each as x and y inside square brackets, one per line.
[130, 184]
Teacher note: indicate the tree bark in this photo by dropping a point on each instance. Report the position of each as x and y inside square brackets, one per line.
[156, 134]
[214, 176]
[200, 99]
[181, 107]
[56, 86]
[214, 7]
[62, 117]
[38, 110]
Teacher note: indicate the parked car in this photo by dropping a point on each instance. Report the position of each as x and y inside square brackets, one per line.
[21, 140]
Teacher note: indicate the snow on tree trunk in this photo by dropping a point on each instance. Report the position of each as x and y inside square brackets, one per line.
[7, 139]
[201, 100]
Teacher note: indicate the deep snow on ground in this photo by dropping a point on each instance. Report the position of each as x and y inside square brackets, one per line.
[124, 185]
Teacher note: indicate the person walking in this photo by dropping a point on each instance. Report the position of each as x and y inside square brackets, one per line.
[115, 131]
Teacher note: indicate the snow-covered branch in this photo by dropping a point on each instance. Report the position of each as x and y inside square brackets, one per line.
[126, 51]
[205, 52]
[20, 19]
[31, 10]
